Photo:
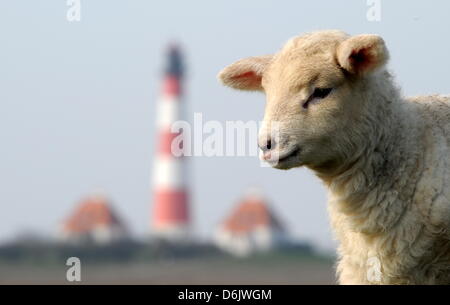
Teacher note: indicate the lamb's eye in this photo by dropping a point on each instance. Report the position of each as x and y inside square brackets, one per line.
[321, 93]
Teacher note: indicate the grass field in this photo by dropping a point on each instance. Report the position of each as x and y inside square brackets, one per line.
[269, 269]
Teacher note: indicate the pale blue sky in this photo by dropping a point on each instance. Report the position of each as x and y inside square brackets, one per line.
[78, 99]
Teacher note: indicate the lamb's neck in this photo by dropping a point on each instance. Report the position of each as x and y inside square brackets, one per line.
[375, 178]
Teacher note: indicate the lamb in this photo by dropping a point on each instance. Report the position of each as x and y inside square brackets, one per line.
[384, 159]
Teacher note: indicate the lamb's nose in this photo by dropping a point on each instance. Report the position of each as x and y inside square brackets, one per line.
[267, 144]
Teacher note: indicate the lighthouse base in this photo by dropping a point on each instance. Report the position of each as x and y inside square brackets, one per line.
[172, 233]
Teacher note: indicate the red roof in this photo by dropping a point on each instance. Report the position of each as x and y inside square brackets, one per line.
[91, 213]
[251, 213]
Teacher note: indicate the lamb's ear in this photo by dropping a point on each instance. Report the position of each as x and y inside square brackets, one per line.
[245, 74]
[362, 54]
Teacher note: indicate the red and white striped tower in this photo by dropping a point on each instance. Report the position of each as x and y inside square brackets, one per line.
[170, 205]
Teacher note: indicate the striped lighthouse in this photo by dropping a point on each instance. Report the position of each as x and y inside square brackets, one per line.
[170, 196]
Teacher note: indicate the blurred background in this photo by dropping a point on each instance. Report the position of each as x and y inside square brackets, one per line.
[87, 91]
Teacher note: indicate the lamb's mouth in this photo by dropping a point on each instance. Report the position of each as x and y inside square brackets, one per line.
[287, 160]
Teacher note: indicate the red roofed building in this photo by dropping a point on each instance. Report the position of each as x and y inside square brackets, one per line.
[251, 227]
[93, 221]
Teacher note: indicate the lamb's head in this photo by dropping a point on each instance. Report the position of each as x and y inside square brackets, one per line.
[316, 94]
